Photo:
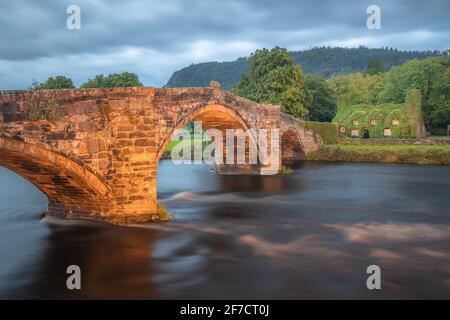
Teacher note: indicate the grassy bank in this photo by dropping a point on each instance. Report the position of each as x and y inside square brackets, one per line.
[419, 154]
[183, 144]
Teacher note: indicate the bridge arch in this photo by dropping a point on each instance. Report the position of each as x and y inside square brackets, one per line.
[217, 116]
[291, 145]
[72, 189]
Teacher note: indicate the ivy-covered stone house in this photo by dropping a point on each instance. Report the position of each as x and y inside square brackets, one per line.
[389, 120]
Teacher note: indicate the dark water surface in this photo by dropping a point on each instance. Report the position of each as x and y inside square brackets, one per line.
[311, 234]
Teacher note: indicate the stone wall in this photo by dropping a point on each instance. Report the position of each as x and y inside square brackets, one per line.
[425, 141]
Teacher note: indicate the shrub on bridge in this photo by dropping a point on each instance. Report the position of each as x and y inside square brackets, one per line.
[42, 110]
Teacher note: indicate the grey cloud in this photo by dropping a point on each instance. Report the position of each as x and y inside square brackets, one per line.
[169, 34]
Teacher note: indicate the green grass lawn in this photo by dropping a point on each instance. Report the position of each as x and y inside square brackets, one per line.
[355, 151]
[420, 154]
[182, 144]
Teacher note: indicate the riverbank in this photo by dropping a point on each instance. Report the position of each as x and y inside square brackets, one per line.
[372, 151]
[183, 144]
[383, 153]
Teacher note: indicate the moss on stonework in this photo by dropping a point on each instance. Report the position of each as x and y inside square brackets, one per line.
[286, 170]
[162, 214]
[325, 130]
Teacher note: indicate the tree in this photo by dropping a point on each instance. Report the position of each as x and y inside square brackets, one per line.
[58, 82]
[274, 78]
[430, 77]
[321, 102]
[356, 88]
[125, 79]
[374, 66]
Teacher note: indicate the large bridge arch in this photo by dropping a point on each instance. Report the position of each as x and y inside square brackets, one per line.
[216, 116]
[72, 189]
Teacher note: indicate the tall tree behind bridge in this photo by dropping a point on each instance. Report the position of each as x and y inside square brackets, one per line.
[321, 102]
[274, 78]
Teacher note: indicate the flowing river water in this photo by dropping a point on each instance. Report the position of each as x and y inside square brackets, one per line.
[311, 234]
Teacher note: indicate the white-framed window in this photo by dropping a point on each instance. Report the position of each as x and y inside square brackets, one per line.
[342, 129]
[373, 122]
[395, 122]
[355, 122]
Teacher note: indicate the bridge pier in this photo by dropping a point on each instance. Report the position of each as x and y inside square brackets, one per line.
[136, 207]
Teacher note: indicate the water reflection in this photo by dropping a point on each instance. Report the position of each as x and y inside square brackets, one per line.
[306, 235]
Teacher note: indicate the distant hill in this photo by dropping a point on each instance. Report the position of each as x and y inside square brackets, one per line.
[324, 61]
[199, 75]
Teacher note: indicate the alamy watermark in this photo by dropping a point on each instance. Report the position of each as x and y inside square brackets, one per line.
[73, 21]
[374, 280]
[229, 146]
[73, 281]
[374, 20]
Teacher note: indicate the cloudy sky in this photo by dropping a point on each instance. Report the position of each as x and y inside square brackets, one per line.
[153, 38]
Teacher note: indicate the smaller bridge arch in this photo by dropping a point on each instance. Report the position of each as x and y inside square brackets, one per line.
[72, 189]
[291, 145]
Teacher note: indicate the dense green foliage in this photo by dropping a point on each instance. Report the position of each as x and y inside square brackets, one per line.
[430, 76]
[321, 101]
[58, 82]
[360, 116]
[274, 78]
[356, 88]
[324, 61]
[125, 79]
[374, 66]
[420, 154]
[328, 131]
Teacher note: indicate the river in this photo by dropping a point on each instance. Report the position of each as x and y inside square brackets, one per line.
[311, 234]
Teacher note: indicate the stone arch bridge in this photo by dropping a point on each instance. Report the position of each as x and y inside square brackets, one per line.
[94, 152]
